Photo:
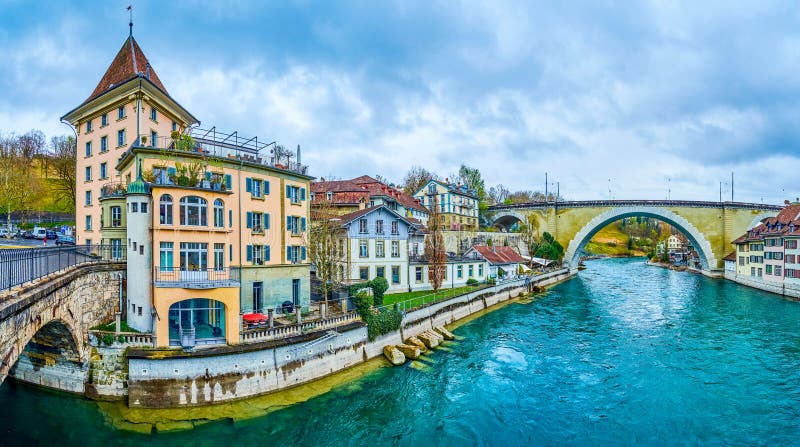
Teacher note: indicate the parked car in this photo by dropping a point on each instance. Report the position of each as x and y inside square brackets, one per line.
[51, 235]
[65, 240]
[4, 233]
[27, 235]
[39, 233]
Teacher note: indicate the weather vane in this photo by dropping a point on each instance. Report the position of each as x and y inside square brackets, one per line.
[130, 16]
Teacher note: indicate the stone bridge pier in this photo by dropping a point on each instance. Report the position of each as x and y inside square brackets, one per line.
[43, 325]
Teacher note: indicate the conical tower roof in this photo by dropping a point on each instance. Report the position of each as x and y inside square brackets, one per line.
[129, 63]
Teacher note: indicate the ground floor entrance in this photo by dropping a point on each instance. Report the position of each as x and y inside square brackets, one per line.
[196, 321]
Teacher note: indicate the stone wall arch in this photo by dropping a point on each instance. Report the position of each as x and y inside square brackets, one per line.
[699, 241]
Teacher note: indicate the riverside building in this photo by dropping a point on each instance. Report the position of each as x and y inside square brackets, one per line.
[212, 223]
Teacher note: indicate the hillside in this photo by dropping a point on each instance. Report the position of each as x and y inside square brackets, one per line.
[612, 241]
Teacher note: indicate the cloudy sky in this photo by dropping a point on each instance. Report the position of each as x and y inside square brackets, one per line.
[619, 99]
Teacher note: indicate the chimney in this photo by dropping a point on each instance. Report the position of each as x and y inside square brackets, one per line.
[298, 155]
[362, 204]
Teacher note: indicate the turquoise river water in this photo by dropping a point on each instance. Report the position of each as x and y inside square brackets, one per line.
[624, 354]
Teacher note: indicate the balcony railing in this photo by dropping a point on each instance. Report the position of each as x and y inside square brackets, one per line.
[114, 189]
[195, 278]
[210, 142]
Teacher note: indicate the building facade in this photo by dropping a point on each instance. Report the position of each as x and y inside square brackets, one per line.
[769, 251]
[502, 261]
[458, 205]
[346, 196]
[212, 226]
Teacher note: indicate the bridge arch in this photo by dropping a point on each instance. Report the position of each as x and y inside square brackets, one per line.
[506, 219]
[695, 236]
[757, 220]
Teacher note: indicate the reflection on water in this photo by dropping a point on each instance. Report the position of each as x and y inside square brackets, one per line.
[624, 354]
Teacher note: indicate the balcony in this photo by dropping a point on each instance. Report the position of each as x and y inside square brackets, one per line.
[230, 146]
[208, 278]
[114, 189]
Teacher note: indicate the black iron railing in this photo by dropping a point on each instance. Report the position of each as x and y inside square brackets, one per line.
[195, 275]
[21, 265]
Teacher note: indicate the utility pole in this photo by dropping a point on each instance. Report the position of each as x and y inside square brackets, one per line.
[720, 191]
[731, 186]
[545, 187]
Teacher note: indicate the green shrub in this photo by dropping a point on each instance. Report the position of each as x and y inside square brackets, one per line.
[108, 339]
[472, 282]
[382, 322]
[379, 287]
[491, 281]
[120, 339]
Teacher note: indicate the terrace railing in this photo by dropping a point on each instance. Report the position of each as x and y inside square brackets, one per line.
[21, 265]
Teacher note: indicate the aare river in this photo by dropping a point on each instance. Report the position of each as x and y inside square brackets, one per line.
[624, 354]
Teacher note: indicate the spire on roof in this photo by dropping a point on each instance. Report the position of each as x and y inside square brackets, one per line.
[125, 66]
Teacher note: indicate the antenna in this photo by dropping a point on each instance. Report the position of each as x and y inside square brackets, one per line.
[130, 17]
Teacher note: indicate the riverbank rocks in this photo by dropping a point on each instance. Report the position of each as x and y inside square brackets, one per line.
[431, 340]
[394, 355]
[445, 333]
[414, 341]
[410, 351]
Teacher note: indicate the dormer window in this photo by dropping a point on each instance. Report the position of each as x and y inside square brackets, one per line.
[330, 195]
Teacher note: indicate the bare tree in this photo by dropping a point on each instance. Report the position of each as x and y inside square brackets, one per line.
[62, 160]
[325, 249]
[11, 180]
[530, 237]
[30, 147]
[498, 194]
[416, 178]
[435, 253]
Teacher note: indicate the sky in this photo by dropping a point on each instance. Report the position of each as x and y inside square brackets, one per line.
[612, 99]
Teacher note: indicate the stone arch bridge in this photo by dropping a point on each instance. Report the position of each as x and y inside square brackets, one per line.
[709, 226]
[44, 325]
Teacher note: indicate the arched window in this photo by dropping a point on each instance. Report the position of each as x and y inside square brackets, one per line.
[165, 210]
[194, 211]
[219, 213]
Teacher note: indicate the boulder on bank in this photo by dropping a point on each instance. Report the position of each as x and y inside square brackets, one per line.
[445, 333]
[431, 341]
[394, 355]
[414, 341]
[433, 333]
[410, 351]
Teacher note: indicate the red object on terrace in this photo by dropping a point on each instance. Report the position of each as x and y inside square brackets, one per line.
[254, 318]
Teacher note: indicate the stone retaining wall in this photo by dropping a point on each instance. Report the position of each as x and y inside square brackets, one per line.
[780, 289]
[236, 372]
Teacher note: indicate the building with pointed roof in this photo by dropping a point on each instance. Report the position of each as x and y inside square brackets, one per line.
[212, 224]
[346, 196]
[458, 205]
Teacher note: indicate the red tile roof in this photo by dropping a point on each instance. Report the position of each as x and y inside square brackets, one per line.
[730, 257]
[350, 192]
[788, 218]
[499, 255]
[129, 63]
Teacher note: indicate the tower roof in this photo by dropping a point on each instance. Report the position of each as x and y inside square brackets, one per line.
[129, 63]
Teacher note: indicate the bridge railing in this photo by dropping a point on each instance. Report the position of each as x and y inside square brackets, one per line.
[21, 265]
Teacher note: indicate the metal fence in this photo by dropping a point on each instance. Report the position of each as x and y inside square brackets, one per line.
[21, 265]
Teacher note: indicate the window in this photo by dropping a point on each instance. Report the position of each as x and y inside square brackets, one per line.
[165, 256]
[471, 270]
[121, 137]
[134, 207]
[254, 186]
[362, 226]
[395, 249]
[380, 271]
[395, 274]
[791, 244]
[394, 228]
[418, 274]
[103, 144]
[254, 221]
[153, 138]
[296, 291]
[769, 269]
[760, 273]
[295, 224]
[379, 252]
[193, 211]
[778, 270]
[363, 248]
[104, 120]
[194, 256]
[258, 254]
[295, 194]
[741, 260]
[480, 269]
[88, 148]
[88, 173]
[88, 198]
[379, 226]
[219, 257]
[329, 195]
[460, 272]
[88, 223]
[116, 248]
[752, 271]
[295, 254]
[258, 296]
[120, 112]
[174, 126]
[363, 273]
[144, 207]
[116, 216]
[165, 210]
[153, 114]
[88, 126]
[103, 170]
[219, 213]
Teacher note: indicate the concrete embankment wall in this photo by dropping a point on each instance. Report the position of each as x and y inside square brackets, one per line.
[236, 372]
[780, 289]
